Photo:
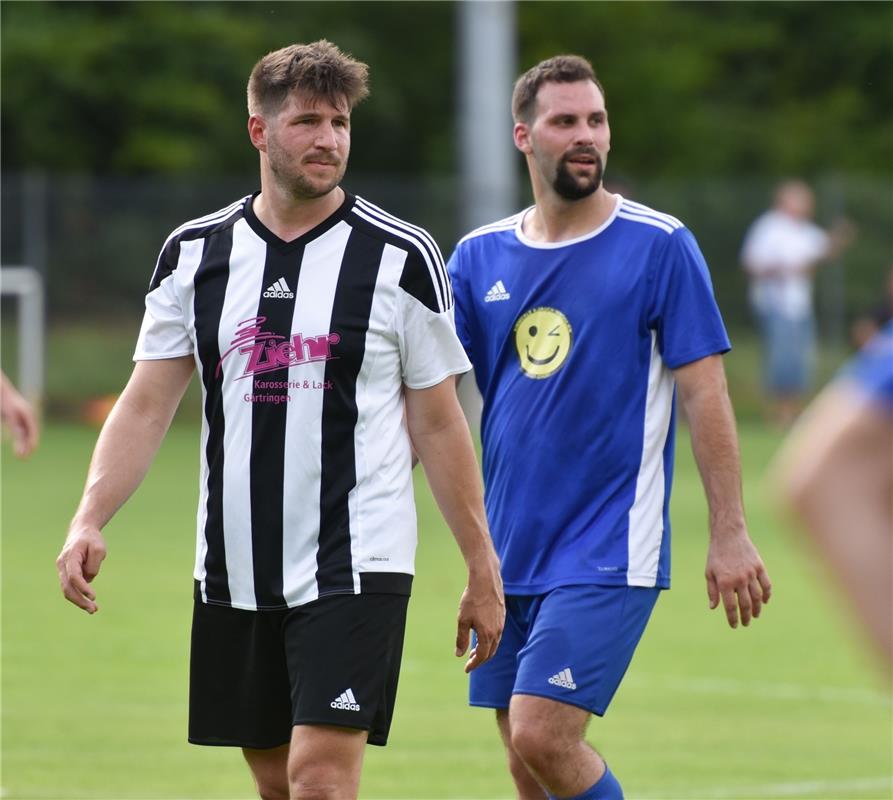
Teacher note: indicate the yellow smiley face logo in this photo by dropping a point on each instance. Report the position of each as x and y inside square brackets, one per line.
[543, 339]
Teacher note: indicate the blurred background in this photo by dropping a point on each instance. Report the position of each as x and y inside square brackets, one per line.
[122, 120]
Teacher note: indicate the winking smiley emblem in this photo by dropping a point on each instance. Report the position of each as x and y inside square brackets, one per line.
[543, 339]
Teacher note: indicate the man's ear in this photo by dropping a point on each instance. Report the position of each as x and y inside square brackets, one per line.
[521, 135]
[257, 132]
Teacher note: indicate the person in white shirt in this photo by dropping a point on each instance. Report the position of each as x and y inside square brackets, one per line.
[781, 251]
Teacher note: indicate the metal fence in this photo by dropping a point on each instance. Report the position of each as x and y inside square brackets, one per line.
[95, 239]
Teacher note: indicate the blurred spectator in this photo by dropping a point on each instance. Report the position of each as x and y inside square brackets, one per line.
[836, 471]
[18, 418]
[781, 252]
[866, 325]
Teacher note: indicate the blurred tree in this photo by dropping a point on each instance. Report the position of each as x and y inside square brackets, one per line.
[694, 88]
[130, 88]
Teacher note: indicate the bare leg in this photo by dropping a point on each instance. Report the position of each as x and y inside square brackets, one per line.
[324, 762]
[548, 737]
[525, 783]
[270, 771]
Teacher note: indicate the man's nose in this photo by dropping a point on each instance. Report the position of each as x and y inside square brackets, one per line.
[325, 137]
[583, 133]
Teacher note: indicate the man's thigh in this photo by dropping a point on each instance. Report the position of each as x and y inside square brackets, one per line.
[256, 674]
[343, 655]
[581, 642]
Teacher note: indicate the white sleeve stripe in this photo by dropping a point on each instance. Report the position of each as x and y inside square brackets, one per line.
[432, 267]
[496, 227]
[638, 208]
[200, 222]
[209, 219]
[646, 221]
[425, 237]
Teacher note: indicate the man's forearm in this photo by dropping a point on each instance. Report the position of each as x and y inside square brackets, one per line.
[714, 441]
[447, 456]
[130, 438]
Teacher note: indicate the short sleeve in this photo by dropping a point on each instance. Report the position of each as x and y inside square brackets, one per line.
[462, 302]
[163, 333]
[871, 371]
[684, 311]
[430, 350]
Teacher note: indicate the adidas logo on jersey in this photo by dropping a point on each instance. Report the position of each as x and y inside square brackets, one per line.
[346, 701]
[279, 290]
[563, 679]
[497, 292]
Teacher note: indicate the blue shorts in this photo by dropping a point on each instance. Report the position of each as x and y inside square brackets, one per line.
[573, 644]
[788, 352]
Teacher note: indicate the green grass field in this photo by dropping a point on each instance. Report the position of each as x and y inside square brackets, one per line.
[95, 707]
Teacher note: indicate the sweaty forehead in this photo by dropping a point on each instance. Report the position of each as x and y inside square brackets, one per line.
[578, 98]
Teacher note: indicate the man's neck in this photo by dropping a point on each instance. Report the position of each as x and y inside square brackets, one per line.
[288, 218]
[555, 219]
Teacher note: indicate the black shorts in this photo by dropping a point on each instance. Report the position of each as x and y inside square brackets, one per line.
[255, 674]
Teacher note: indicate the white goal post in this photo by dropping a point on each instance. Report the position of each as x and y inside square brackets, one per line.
[26, 284]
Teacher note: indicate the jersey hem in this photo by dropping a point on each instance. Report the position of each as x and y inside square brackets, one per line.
[583, 580]
[160, 356]
[441, 379]
[719, 348]
[399, 583]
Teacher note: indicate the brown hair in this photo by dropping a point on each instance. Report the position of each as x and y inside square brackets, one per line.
[319, 68]
[558, 69]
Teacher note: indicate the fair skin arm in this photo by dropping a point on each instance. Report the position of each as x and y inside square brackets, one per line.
[124, 451]
[735, 572]
[18, 418]
[441, 439]
[836, 473]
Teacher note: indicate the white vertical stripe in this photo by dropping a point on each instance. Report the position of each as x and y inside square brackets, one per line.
[243, 288]
[314, 298]
[646, 527]
[381, 506]
[187, 264]
[350, 696]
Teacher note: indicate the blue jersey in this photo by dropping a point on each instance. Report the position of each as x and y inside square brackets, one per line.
[872, 369]
[573, 344]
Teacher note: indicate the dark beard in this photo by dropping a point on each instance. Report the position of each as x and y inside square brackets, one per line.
[571, 188]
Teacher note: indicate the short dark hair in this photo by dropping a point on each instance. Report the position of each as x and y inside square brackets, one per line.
[558, 69]
[319, 68]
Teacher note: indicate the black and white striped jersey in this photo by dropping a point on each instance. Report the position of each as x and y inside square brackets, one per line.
[303, 348]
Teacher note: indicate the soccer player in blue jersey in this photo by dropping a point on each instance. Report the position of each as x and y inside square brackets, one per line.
[581, 316]
[836, 470]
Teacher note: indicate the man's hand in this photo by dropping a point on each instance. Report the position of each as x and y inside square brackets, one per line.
[736, 574]
[78, 564]
[481, 608]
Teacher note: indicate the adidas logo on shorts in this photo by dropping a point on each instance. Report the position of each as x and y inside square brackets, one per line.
[564, 679]
[346, 701]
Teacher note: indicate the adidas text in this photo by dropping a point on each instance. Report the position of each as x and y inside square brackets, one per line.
[564, 679]
[344, 706]
[279, 290]
[346, 701]
[497, 292]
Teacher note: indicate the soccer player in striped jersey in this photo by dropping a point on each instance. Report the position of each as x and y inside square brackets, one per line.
[322, 330]
[581, 316]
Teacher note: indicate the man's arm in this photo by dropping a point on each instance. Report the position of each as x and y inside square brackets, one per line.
[19, 418]
[125, 449]
[836, 472]
[735, 572]
[441, 439]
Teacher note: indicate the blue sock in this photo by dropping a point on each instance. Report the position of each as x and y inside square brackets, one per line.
[605, 788]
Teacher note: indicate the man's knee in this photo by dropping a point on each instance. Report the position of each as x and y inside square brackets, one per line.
[545, 733]
[324, 763]
[537, 747]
